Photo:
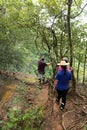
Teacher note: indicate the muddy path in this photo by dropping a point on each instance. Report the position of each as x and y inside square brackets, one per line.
[7, 87]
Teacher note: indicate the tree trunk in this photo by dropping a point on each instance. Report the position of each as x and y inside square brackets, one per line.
[70, 44]
[78, 69]
[84, 65]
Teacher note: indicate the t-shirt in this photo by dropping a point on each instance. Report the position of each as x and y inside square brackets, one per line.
[63, 79]
[41, 66]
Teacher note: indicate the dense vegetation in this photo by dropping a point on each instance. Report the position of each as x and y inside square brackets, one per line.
[30, 29]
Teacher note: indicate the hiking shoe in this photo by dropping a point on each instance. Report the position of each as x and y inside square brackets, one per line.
[62, 106]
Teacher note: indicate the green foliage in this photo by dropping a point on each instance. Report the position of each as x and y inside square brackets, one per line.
[34, 118]
[85, 127]
[31, 120]
[12, 58]
[29, 29]
[14, 117]
[53, 6]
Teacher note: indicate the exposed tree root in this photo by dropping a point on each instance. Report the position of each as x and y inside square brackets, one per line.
[78, 124]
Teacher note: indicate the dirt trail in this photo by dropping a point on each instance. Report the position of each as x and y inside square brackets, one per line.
[37, 95]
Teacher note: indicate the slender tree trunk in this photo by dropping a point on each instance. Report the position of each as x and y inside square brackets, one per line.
[70, 43]
[84, 65]
[69, 30]
[55, 50]
[61, 46]
[49, 49]
[78, 70]
[61, 40]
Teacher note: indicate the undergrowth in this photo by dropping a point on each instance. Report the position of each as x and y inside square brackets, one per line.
[18, 120]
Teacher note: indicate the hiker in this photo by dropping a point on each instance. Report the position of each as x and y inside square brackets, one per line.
[66, 60]
[62, 82]
[41, 69]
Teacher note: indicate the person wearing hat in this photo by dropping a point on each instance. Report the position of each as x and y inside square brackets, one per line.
[66, 60]
[61, 83]
[41, 69]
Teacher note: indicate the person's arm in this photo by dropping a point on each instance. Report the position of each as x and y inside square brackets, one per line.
[70, 80]
[56, 79]
[49, 63]
[55, 83]
[71, 68]
[70, 83]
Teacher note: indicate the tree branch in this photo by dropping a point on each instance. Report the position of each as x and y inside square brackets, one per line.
[80, 11]
[56, 17]
[76, 4]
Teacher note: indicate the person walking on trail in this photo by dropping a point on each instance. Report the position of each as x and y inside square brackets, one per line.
[41, 70]
[62, 82]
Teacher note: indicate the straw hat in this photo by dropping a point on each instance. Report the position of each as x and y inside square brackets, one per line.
[65, 59]
[62, 63]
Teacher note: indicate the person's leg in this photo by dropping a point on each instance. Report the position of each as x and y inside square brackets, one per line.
[59, 96]
[39, 77]
[64, 93]
[43, 78]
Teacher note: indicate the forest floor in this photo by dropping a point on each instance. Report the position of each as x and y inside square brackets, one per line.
[73, 117]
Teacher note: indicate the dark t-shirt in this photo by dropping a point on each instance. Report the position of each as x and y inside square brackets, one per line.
[63, 79]
[41, 66]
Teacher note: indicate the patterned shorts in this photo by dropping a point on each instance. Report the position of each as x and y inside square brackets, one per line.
[41, 75]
